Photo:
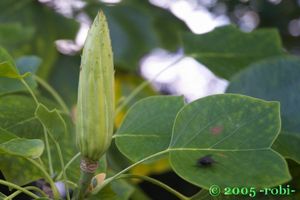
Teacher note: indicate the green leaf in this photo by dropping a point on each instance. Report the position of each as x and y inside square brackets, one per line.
[13, 154]
[17, 116]
[56, 126]
[8, 68]
[227, 50]
[9, 71]
[29, 148]
[149, 124]
[275, 79]
[11, 144]
[237, 133]
[288, 145]
[5, 57]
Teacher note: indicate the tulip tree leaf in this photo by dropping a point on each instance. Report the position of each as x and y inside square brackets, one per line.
[288, 145]
[14, 152]
[237, 133]
[10, 73]
[30, 148]
[17, 117]
[149, 124]
[276, 79]
[56, 127]
[227, 50]
[11, 144]
[5, 57]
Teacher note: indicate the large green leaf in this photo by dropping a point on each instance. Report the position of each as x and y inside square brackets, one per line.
[147, 127]
[227, 50]
[17, 116]
[237, 133]
[276, 79]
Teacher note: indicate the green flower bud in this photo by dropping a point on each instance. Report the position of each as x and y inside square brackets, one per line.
[95, 104]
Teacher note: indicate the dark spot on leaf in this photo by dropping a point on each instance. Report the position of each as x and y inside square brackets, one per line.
[205, 161]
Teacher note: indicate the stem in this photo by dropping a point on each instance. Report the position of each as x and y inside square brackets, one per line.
[25, 191]
[107, 181]
[62, 164]
[48, 151]
[84, 182]
[16, 193]
[155, 182]
[54, 94]
[30, 91]
[67, 165]
[72, 184]
[56, 194]
[142, 86]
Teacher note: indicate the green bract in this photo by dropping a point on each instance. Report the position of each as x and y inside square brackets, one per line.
[95, 104]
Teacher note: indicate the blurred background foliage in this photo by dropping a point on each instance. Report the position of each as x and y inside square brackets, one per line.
[53, 31]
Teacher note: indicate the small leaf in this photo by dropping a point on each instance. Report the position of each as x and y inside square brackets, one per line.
[13, 154]
[237, 133]
[227, 50]
[11, 144]
[149, 124]
[5, 57]
[9, 74]
[9, 71]
[29, 148]
[276, 79]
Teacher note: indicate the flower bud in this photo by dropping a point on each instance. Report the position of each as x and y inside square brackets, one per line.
[95, 104]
